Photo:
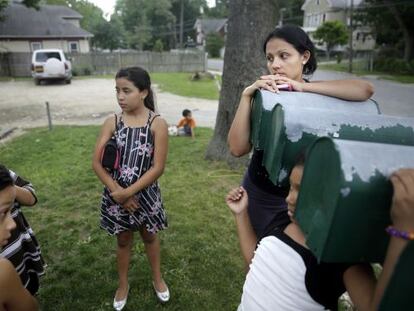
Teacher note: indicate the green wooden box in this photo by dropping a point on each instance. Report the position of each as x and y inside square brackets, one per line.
[287, 129]
[265, 101]
[345, 197]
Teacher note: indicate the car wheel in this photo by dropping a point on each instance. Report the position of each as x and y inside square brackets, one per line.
[37, 81]
[68, 81]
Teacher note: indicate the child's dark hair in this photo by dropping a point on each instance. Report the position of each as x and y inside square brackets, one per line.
[299, 39]
[141, 79]
[186, 112]
[5, 178]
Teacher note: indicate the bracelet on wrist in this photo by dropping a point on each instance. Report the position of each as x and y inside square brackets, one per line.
[406, 235]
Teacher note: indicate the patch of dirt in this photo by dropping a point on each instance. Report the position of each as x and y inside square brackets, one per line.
[85, 101]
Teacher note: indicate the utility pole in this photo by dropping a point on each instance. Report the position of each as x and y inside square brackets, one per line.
[281, 11]
[351, 32]
[181, 24]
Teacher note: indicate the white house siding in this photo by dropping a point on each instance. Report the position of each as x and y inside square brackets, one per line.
[24, 45]
[64, 45]
[84, 46]
[14, 46]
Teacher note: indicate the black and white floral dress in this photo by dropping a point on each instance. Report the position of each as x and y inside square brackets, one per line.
[136, 145]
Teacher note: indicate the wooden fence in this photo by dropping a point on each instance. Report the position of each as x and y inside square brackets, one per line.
[18, 64]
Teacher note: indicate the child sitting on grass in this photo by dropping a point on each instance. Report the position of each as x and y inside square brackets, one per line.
[186, 125]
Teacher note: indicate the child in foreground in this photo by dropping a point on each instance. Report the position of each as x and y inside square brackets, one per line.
[132, 199]
[13, 296]
[285, 275]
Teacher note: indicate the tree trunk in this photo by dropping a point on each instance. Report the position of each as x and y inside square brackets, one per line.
[244, 61]
[408, 36]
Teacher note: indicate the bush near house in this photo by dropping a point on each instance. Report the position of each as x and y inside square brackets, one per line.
[214, 42]
[394, 65]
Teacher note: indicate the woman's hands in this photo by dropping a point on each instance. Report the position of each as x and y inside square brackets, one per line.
[236, 200]
[402, 210]
[273, 83]
[283, 81]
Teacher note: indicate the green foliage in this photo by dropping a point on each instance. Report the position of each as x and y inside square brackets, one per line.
[331, 33]
[28, 3]
[221, 10]
[293, 13]
[107, 35]
[392, 22]
[394, 65]
[214, 42]
[158, 46]
[201, 261]
[147, 21]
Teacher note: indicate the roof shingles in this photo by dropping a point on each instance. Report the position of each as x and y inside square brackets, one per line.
[48, 22]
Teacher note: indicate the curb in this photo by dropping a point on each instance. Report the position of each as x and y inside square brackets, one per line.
[6, 132]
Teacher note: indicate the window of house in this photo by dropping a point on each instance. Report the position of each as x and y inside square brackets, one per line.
[35, 46]
[73, 46]
[324, 17]
[317, 2]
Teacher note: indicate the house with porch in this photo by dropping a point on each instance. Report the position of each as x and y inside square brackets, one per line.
[316, 12]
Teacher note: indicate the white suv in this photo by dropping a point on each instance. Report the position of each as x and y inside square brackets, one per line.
[50, 64]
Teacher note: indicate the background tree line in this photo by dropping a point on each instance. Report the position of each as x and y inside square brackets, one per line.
[142, 24]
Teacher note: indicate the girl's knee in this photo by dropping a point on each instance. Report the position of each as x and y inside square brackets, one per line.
[124, 239]
[148, 238]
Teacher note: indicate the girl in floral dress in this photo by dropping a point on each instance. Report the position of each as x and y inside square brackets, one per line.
[131, 198]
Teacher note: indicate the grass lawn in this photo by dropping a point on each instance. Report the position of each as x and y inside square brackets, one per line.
[343, 66]
[180, 83]
[200, 253]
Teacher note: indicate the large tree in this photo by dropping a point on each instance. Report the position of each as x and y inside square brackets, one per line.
[146, 22]
[244, 61]
[106, 35]
[392, 21]
[331, 33]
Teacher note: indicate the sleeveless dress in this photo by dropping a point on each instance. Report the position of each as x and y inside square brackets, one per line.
[136, 145]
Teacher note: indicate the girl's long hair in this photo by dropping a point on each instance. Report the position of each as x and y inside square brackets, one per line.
[141, 79]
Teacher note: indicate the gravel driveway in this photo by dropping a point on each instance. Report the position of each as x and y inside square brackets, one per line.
[85, 101]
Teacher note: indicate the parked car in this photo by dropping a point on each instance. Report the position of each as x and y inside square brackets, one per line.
[51, 64]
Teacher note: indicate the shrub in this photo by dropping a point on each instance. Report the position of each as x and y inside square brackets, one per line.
[158, 46]
[214, 42]
[393, 65]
